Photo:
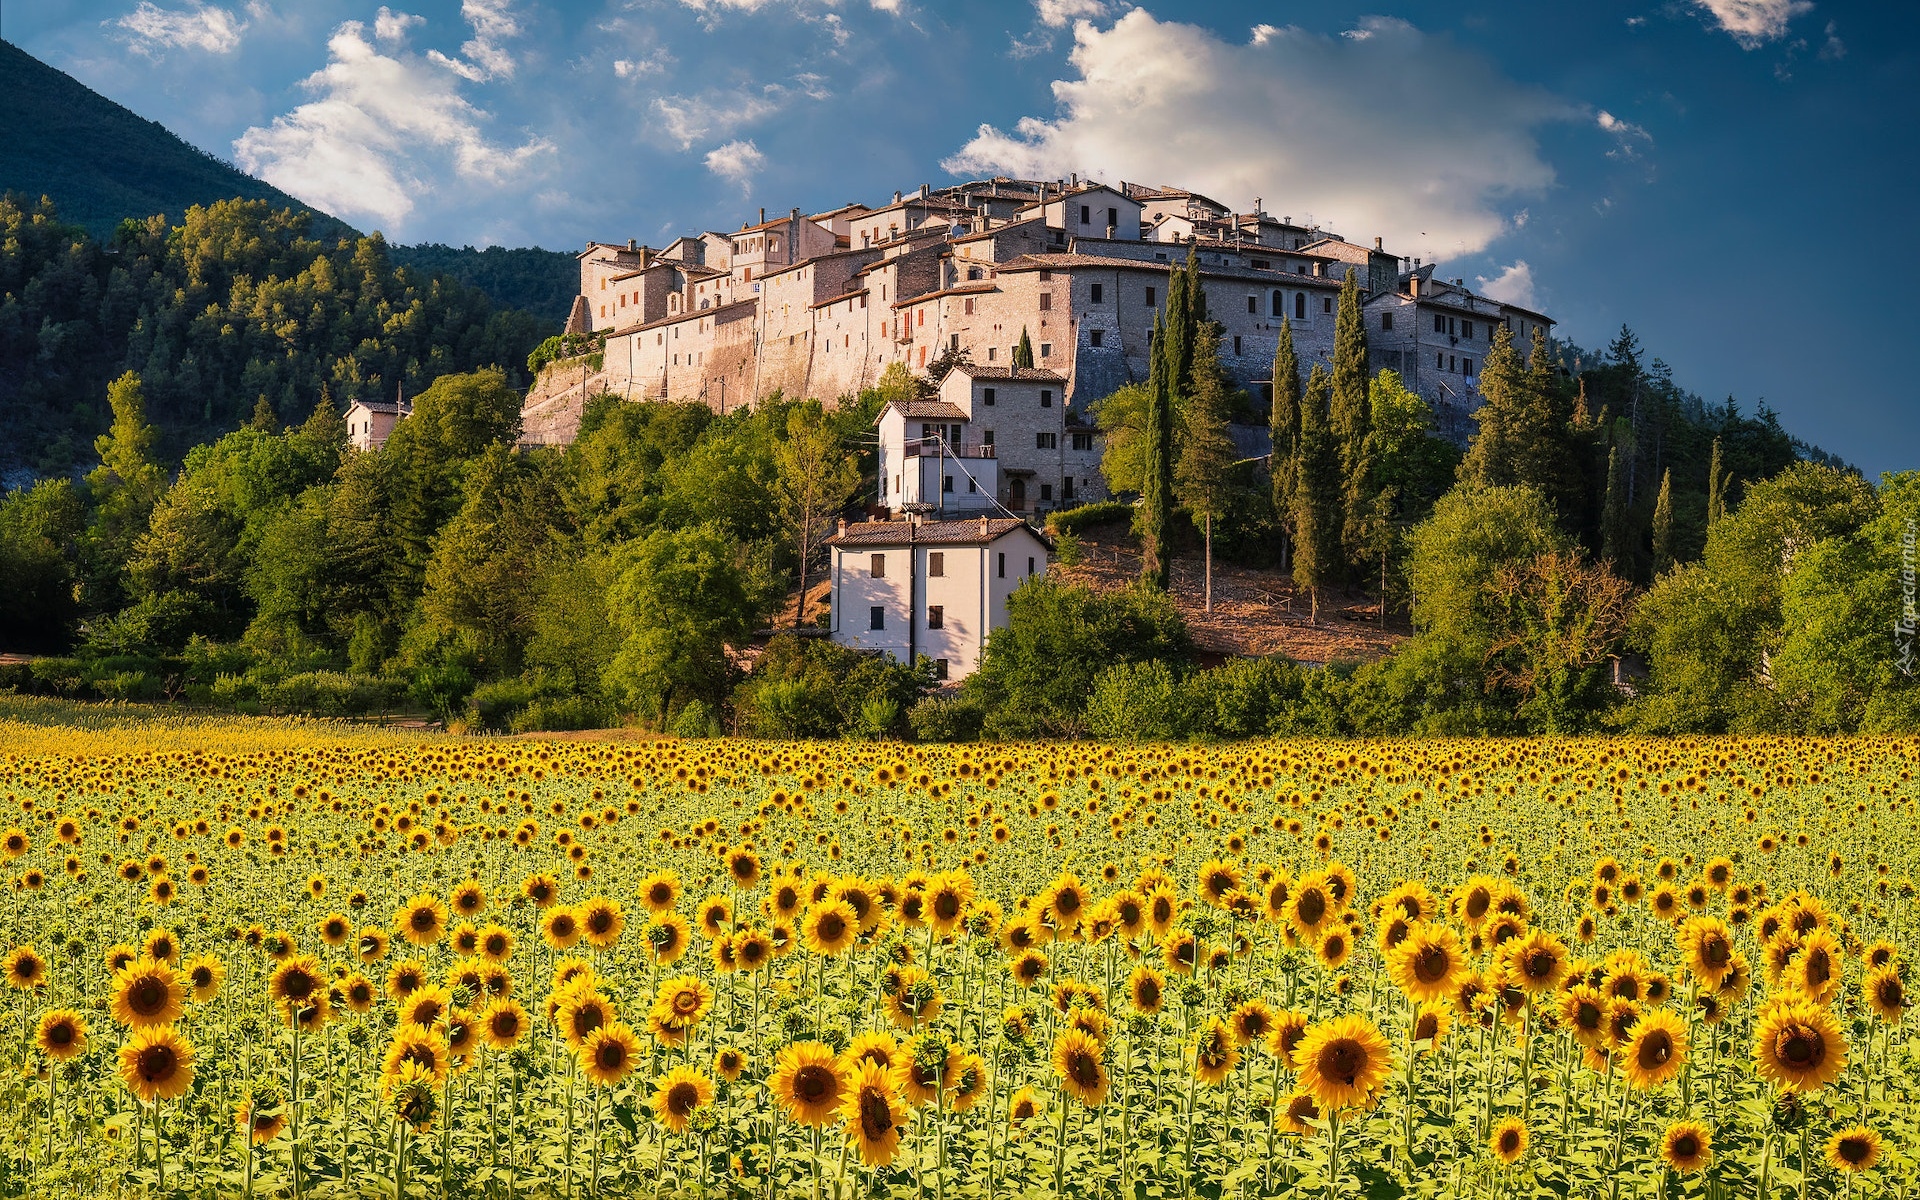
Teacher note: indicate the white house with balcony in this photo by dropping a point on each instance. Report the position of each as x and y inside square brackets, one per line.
[931, 460]
[935, 588]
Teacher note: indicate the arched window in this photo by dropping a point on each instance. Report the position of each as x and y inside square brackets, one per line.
[1299, 306]
[1279, 304]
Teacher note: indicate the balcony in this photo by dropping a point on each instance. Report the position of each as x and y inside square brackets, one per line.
[929, 447]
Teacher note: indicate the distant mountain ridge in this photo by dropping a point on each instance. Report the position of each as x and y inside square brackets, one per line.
[102, 163]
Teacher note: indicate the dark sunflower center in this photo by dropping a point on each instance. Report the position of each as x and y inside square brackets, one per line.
[1655, 1049]
[813, 1083]
[1083, 1069]
[157, 1063]
[1313, 906]
[147, 995]
[1801, 1048]
[1431, 964]
[1342, 1059]
[876, 1115]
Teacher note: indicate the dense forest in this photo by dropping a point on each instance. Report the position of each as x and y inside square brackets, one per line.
[236, 306]
[1606, 552]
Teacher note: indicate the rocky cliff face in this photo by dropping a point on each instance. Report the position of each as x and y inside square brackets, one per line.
[550, 414]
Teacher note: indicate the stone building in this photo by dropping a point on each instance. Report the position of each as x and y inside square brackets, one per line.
[821, 304]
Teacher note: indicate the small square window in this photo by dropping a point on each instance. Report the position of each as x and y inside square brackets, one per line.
[1097, 337]
[1046, 349]
[877, 617]
[936, 616]
[877, 566]
[1046, 491]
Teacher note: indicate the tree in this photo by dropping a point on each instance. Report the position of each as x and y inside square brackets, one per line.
[1316, 496]
[1122, 417]
[1490, 459]
[1023, 350]
[1411, 467]
[1207, 453]
[816, 480]
[1156, 486]
[40, 532]
[1717, 483]
[1613, 514]
[124, 488]
[681, 600]
[1347, 420]
[265, 419]
[1456, 555]
[1663, 553]
[1037, 673]
[1558, 619]
[1283, 421]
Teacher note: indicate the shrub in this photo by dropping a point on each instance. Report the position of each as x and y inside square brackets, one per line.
[947, 719]
[1077, 520]
[562, 712]
[695, 720]
[1136, 702]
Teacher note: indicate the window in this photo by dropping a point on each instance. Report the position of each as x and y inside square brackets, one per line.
[1094, 293]
[986, 395]
[1046, 351]
[1300, 306]
[986, 437]
[1450, 326]
[1002, 565]
[992, 353]
[877, 617]
[1046, 491]
[877, 566]
[1439, 323]
[1260, 264]
[936, 616]
[1277, 305]
[1236, 345]
[1440, 361]
[1086, 214]
[973, 485]
[1046, 277]
[1046, 301]
[1046, 394]
[969, 306]
[1045, 441]
[1113, 218]
[1097, 337]
[1466, 366]
[1029, 564]
[1326, 304]
[946, 483]
[1386, 322]
[923, 318]
[1451, 366]
[1253, 304]
[1150, 300]
[1082, 441]
[1466, 329]
[940, 668]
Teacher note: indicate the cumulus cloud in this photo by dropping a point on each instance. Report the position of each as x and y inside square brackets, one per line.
[390, 26]
[636, 68]
[684, 120]
[736, 161]
[379, 132]
[1061, 13]
[485, 55]
[150, 29]
[1753, 23]
[1427, 138]
[1513, 285]
[1628, 137]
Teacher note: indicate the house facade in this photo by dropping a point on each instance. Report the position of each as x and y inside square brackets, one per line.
[929, 588]
[370, 422]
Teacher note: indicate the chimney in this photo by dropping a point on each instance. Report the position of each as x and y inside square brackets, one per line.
[896, 197]
[926, 189]
[843, 527]
[633, 244]
[1377, 245]
[1257, 202]
[1413, 285]
[793, 220]
[763, 214]
[983, 527]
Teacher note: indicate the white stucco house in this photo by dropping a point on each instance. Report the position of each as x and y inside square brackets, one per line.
[935, 588]
[371, 422]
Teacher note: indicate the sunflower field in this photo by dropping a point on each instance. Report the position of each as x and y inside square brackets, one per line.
[310, 964]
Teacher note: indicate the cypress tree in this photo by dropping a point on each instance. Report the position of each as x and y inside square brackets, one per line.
[1023, 352]
[1284, 423]
[1207, 451]
[1717, 480]
[1503, 384]
[1156, 487]
[1177, 326]
[1316, 495]
[1348, 418]
[1663, 555]
[1613, 514]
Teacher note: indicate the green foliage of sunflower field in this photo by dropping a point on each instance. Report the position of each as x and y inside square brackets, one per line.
[282, 958]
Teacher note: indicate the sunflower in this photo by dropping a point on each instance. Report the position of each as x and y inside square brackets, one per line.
[163, 945]
[1687, 1147]
[426, 1007]
[1180, 951]
[1508, 1142]
[1288, 1028]
[260, 1115]
[1655, 1050]
[607, 1054]
[1342, 1062]
[560, 927]
[469, 898]
[1798, 1046]
[502, 1022]
[1583, 1012]
[715, 916]
[1311, 908]
[1218, 880]
[602, 922]
[372, 945]
[1214, 1053]
[296, 984]
[413, 1046]
[407, 977]
[668, 936]
[1253, 1022]
[829, 927]
[874, 1114]
[1428, 963]
[156, 1063]
[580, 1011]
[541, 888]
[807, 1083]
[681, 1002]
[146, 993]
[947, 902]
[1537, 961]
[62, 1034]
[356, 993]
[1024, 1106]
[1852, 1150]
[1817, 970]
[728, 1063]
[1146, 989]
[1077, 1060]
[26, 969]
[1472, 902]
[335, 929]
[1335, 945]
[411, 1090]
[1885, 993]
[422, 920]
[1299, 1114]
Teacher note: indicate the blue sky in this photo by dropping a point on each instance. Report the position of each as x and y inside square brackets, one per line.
[1733, 178]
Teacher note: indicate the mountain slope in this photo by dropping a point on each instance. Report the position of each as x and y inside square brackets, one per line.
[102, 163]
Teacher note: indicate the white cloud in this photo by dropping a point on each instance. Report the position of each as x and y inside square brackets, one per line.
[636, 68]
[380, 131]
[1834, 49]
[1754, 23]
[1426, 139]
[1061, 13]
[390, 26]
[493, 23]
[736, 161]
[689, 119]
[1513, 285]
[151, 29]
[1628, 136]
